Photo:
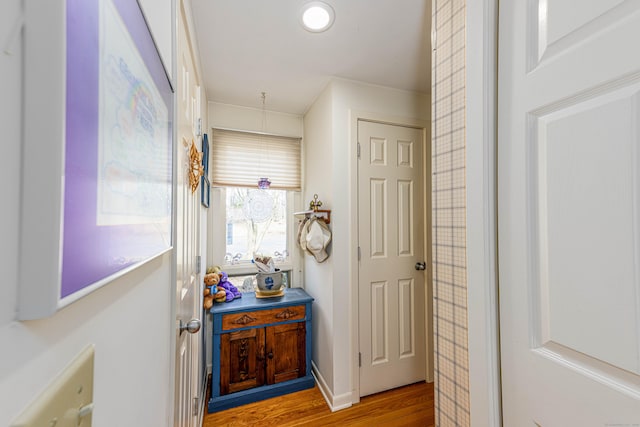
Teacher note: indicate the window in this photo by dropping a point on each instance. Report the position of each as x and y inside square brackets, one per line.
[256, 222]
[246, 220]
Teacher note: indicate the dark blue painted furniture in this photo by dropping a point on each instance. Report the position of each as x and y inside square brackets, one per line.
[261, 348]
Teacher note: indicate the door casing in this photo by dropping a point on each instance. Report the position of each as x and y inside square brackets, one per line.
[481, 201]
[354, 117]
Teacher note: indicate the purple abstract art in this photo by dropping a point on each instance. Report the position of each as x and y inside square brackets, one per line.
[118, 145]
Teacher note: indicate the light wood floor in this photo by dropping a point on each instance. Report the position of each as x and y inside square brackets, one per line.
[411, 405]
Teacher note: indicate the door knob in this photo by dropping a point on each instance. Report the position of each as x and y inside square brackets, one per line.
[421, 266]
[192, 326]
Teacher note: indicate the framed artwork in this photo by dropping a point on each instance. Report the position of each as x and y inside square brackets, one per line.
[205, 185]
[101, 144]
[205, 154]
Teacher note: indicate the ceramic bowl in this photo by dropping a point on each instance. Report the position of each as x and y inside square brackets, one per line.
[269, 281]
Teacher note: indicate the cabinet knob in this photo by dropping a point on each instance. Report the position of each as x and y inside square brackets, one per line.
[270, 355]
[192, 326]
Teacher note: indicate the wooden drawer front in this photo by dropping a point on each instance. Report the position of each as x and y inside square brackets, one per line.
[262, 317]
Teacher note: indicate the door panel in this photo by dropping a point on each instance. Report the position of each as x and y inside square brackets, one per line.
[558, 26]
[242, 360]
[406, 302]
[569, 218]
[183, 414]
[405, 218]
[286, 353]
[187, 245]
[379, 226]
[391, 238]
[380, 323]
[582, 222]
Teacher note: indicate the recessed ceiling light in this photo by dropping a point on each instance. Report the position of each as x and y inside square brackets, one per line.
[317, 16]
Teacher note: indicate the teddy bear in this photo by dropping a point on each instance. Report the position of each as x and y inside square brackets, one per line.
[211, 279]
[231, 291]
[220, 296]
[211, 292]
[208, 298]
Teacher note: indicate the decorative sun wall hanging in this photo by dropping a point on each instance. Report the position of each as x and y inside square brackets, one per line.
[195, 167]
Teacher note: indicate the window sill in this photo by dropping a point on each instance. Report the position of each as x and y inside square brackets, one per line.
[249, 268]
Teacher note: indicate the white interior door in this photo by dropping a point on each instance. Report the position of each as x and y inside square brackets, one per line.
[188, 281]
[188, 297]
[568, 212]
[391, 240]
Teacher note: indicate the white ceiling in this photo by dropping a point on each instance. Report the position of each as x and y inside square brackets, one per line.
[250, 46]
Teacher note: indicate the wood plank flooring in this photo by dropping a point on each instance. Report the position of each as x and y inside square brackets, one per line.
[407, 406]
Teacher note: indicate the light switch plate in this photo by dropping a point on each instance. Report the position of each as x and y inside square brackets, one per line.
[67, 401]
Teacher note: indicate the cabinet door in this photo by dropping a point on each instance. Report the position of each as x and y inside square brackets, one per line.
[286, 356]
[241, 360]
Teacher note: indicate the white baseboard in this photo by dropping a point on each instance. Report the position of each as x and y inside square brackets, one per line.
[335, 403]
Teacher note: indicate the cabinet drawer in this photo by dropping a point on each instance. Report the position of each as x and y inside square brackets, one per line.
[262, 317]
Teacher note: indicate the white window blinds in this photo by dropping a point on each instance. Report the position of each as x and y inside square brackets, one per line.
[240, 159]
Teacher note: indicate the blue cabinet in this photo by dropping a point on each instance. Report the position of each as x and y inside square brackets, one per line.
[261, 348]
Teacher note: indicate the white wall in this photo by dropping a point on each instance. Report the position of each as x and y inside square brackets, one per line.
[234, 117]
[348, 99]
[318, 137]
[128, 320]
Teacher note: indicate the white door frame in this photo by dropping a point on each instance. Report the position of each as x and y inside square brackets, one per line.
[481, 87]
[482, 243]
[354, 116]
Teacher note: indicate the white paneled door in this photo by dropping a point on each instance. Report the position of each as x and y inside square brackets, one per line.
[569, 212]
[391, 269]
[187, 246]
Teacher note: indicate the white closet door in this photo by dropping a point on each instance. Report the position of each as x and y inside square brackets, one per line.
[391, 240]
